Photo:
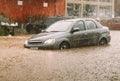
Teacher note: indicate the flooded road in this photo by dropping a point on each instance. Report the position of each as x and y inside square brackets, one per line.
[90, 63]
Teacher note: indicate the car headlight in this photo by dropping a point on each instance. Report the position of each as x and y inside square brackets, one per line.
[26, 42]
[49, 41]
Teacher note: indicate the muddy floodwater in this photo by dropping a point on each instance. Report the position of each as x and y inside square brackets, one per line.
[89, 63]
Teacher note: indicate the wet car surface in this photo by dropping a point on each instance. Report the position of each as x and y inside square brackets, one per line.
[91, 63]
[70, 33]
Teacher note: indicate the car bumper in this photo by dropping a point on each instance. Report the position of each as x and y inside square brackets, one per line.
[43, 46]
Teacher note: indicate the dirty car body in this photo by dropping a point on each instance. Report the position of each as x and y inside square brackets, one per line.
[71, 33]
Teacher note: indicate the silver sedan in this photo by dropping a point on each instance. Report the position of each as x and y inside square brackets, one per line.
[71, 33]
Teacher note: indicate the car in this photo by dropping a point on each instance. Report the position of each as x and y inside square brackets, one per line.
[112, 23]
[70, 33]
[39, 25]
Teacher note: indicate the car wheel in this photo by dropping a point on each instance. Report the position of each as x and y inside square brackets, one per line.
[103, 42]
[64, 45]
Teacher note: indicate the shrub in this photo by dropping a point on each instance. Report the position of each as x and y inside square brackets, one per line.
[3, 32]
[3, 18]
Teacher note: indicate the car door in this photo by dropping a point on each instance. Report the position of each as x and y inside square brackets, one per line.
[78, 37]
[92, 32]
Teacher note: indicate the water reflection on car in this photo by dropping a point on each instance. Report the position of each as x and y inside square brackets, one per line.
[70, 33]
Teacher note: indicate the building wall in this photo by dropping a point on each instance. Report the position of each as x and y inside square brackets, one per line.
[31, 8]
[35, 7]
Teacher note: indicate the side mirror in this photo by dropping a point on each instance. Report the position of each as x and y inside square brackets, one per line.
[75, 29]
[42, 30]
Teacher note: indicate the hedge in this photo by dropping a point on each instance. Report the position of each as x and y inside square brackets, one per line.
[3, 32]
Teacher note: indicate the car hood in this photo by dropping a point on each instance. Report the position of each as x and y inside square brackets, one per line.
[45, 36]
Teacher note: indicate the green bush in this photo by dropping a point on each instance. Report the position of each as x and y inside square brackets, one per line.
[3, 32]
[4, 18]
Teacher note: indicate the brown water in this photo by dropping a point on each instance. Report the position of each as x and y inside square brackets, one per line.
[90, 63]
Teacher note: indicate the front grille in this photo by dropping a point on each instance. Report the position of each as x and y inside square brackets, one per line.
[35, 43]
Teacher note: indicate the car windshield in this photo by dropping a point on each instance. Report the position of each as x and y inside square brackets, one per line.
[59, 26]
[49, 21]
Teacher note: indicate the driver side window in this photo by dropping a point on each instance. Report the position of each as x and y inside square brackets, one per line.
[90, 25]
[80, 25]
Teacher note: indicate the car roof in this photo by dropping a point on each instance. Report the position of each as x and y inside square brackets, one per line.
[78, 19]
